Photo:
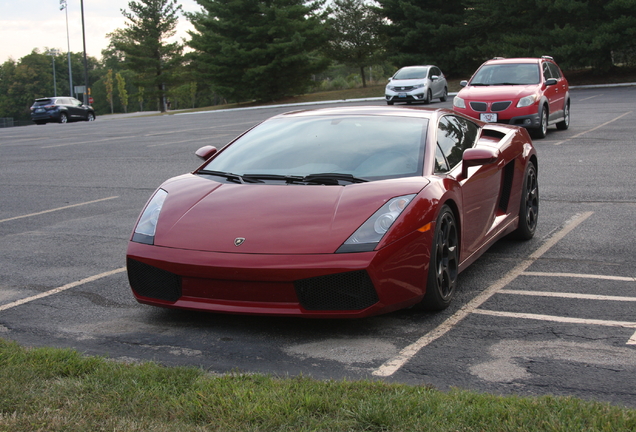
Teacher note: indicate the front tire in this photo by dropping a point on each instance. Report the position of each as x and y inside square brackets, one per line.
[563, 125]
[90, 117]
[389, 103]
[542, 130]
[63, 118]
[529, 210]
[444, 263]
[445, 95]
[429, 97]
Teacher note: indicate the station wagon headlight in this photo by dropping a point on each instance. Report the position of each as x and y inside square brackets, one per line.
[370, 233]
[147, 225]
[459, 102]
[527, 101]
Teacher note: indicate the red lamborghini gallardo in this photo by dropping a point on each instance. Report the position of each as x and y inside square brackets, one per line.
[339, 212]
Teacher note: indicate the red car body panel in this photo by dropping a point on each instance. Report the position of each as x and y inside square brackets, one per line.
[292, 232]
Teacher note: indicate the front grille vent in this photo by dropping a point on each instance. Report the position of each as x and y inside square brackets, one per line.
[341, 291]
[500, 106]
[153, 282]
[479, 106]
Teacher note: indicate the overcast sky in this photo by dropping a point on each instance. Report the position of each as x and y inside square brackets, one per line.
[29, 24]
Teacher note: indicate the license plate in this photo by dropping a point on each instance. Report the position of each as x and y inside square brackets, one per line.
[402, 95]
[488, 117]
[39, 110]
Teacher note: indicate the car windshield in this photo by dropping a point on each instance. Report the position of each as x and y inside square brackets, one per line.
[411, 73]
[507, 74]
[360, 147]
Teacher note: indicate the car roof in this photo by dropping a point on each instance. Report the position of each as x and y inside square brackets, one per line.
[517, 60]
[383, 111]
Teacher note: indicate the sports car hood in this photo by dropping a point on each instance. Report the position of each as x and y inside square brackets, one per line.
[201, 214]
[496, 93]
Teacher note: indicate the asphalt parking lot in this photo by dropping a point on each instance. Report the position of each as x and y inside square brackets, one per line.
[555, 315]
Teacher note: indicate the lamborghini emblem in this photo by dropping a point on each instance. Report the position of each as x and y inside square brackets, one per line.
[239, 241]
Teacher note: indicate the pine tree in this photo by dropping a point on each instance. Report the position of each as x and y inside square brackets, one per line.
[257, 49]
[354, 34]
[144, 42]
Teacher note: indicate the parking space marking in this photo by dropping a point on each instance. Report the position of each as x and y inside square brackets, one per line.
[593, 129]
[407, 353]
[568, 295]
[581, 275]
[569, 320]
[57, 209]
[88, 142]
[591, 97]
[61, 289]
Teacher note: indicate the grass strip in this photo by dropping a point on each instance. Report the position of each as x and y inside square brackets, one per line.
[48, 389]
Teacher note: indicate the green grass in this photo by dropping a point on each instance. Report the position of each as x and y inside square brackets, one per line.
[50, 390]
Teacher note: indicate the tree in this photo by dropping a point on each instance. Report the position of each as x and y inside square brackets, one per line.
[354, 35]
[258, 49]
[424, 32]
[121, 89]
[144, 43]
[108, 84]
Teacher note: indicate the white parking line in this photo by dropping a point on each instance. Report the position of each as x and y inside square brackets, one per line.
[57, 209]
[62, 288]
[567, 295]
[581, 275]
[407, 353]
[593, 129]
[570, 320]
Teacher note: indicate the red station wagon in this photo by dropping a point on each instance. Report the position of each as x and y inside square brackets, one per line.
[528, 92]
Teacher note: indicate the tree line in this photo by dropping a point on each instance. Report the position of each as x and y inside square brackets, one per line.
[264, 50]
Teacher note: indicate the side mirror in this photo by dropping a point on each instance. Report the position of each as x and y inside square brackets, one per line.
[463, 83]
[478, 157]
[390, 79]
[434, 78]
[550, 81]
[206, 152]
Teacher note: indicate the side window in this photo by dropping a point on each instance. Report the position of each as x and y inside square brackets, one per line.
[454, 135]
[556, 73]
[441, 165]
[546, 71]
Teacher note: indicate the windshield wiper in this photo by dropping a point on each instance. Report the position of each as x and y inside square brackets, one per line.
[230, 176]
[332, 178]
[285, 178]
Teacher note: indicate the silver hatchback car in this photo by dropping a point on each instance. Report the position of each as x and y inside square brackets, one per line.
[416, 84]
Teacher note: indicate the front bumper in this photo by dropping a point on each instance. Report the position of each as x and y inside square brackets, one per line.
[348, 285]
[417, 95]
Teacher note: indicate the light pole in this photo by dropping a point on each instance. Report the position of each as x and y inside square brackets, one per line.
[53, 52]
[85, 64]
[64, 7]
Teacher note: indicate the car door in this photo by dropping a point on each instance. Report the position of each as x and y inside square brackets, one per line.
[553, 93]
[436, 84]
[480, 189]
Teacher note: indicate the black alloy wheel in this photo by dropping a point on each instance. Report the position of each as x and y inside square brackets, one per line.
[444, 263]
[529, 210]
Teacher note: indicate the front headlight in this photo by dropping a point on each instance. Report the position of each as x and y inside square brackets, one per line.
[418, 86]
[459, 102]
[527, 101]
[370, 233]
[147, 225]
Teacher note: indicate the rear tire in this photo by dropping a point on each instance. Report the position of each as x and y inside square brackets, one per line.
[444, 263]
[529, 209]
